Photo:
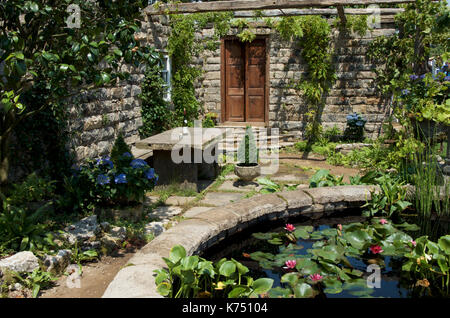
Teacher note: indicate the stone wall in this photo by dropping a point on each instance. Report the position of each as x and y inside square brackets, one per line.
[354, 90]
[98, 116]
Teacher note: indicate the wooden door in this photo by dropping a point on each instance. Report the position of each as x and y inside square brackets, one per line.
[255, 80]
[244, 79]
[235, 81]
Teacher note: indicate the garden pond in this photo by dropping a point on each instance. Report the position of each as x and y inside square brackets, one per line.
[334, 257]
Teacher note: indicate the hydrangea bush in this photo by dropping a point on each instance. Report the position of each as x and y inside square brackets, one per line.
[355, 127]
[104, 183]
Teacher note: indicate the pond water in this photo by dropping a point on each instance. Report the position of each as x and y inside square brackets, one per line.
[242, 245]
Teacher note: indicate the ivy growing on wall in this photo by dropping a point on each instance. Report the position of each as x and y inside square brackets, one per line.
[183, 46]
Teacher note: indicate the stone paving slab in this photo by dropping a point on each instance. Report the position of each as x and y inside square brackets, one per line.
[178, 200]
[151, 199]
[192, 212]
[289, 178]
[239, 185]
[220, 198]
[165, 212]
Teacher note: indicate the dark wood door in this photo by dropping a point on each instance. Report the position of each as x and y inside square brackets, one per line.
[245, 81]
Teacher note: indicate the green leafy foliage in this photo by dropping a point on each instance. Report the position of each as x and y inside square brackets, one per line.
[194, 276]
[36, 280]
[323, 178]
[156, 115]
[32, 189]
[22, 229]
[40, 52]
[391, 200]
[101, 182]
[118, 149]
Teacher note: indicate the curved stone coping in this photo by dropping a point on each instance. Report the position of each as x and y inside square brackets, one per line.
[207, 228]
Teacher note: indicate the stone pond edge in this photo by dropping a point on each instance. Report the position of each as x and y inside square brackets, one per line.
[198, 233]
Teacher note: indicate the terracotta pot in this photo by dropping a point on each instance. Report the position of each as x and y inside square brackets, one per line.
[247, 173]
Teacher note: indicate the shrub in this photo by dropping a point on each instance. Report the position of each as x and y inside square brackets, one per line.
[247, 151]
[355, 127]
[102, 182]
[119, 148]
[22, 229]
[32, 189]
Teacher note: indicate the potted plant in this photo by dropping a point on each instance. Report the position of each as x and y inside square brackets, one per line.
[355, 127]
[115, 185]
[247, 167]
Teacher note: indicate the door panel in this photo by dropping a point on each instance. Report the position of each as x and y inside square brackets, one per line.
[245, 80]
[234, 81]
[255, 80]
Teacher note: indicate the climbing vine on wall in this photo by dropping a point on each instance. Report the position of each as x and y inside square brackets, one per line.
[313, 35]
[183, 47]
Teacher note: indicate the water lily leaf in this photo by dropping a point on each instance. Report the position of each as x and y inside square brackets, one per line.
[260, 256]
[279, 292]
[303, 290]
[275, 241]
[262, 285]
[301, 233]
[263, 236]
[357, 238]
[444, 244]
[329, 232]
[307, 266]
[290, 278]
[227, 268]
[266, 264]
[408, 227]
[316, 236]
[399, 236]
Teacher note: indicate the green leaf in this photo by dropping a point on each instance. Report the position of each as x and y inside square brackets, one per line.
[236, 292]
[164, 288]
[303, 290]
[177, 253]
[262, 285]
[189, 263]
[444, 244]
[227, 268]
[290, 278]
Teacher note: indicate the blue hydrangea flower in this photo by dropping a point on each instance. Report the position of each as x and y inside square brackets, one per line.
[121, 178]
[405, 91]
[150, 173]
[102, 179]
[447, 78]
[413, 77]
[105, 161]
[156, 179]
[359, 123]
[127, 154]
[422, 76]
[138, 163]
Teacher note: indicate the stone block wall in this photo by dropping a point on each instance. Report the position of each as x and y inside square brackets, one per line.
[97, 117]
[354, 90]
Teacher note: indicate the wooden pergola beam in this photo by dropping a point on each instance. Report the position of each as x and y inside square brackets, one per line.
[299, 12]
[246, 5]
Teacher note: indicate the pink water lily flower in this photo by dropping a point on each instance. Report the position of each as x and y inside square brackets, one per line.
[289, 227]
[315, 277]
[339, 226]
[413, 243]
[290, 264]
[383, 221]
[376, 249]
